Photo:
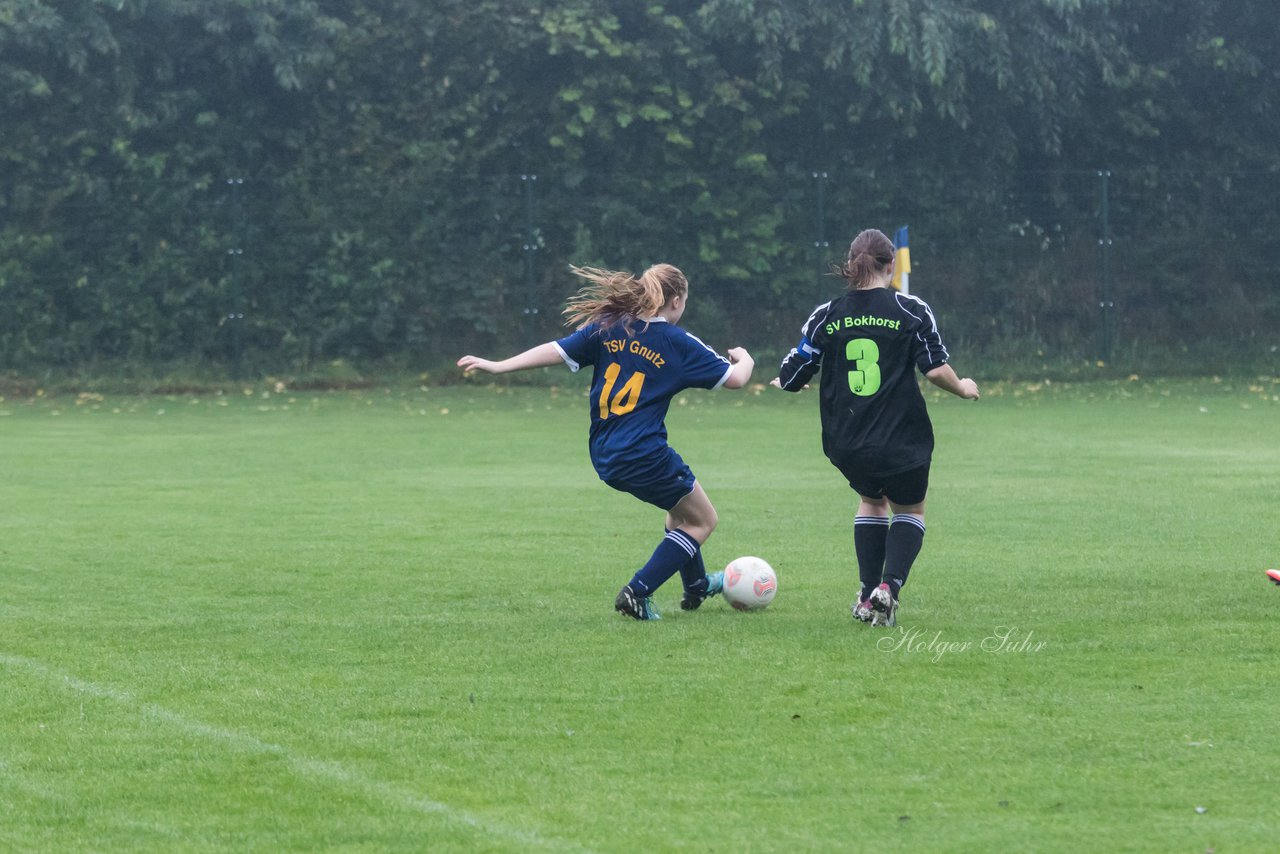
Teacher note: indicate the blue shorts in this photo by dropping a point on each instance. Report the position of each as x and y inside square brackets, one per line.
[661, 480]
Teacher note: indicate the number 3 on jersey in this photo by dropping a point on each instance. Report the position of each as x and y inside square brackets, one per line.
[626, 398]
[864, 379]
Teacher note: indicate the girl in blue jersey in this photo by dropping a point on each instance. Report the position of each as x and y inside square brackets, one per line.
[868, 344]
[640, 358]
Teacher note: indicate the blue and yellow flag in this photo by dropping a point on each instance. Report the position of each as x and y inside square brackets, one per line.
[902, 260]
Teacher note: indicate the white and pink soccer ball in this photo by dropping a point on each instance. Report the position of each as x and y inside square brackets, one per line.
[749, 583]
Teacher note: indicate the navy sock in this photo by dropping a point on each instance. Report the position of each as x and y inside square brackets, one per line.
[869, 533]
[694, 573]
[676, 549]
[906, 536]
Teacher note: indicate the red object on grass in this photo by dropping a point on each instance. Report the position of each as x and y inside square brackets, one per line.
[1274, 575]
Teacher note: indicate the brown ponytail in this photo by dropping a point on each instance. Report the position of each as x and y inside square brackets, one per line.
[869, 254]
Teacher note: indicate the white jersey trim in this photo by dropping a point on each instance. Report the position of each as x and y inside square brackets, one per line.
[931, 323]
[573, 366]
[727, 371]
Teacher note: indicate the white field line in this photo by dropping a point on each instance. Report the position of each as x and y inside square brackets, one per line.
[304, 767]
[15, 779]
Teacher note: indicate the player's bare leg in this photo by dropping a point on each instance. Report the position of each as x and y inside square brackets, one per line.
[694, 515]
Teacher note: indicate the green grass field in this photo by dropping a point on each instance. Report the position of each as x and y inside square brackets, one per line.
[382, 621]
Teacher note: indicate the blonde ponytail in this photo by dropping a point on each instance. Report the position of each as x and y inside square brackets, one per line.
[611, 297]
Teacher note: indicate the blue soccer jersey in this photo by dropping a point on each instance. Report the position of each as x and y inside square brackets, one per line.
[636, 373]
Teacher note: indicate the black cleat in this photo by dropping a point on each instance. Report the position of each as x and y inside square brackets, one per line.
[884, 605]
[693, 599]
[635, 607]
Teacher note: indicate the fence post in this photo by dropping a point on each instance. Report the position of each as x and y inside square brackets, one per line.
[820, 243]
[1106, 302]
[530, 247]
[234, 317]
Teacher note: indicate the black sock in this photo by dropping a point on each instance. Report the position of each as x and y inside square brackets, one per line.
[869, 533]
[906, 536]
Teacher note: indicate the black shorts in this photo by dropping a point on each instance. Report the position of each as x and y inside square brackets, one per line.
[905, 487]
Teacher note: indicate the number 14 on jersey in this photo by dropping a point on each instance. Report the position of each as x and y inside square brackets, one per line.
[626, 398]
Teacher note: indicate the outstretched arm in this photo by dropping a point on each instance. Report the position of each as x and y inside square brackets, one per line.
[944, 377]
[743, 365]
[541, 356]
[800, 364]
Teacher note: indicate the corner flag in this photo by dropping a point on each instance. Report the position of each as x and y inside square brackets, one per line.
[902, 257]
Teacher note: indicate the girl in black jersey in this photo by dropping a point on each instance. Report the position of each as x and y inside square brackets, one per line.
[875, 428]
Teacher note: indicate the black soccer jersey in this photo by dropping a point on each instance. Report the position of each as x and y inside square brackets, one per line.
[868, 343]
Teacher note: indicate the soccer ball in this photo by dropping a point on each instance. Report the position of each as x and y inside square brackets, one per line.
[749, 583]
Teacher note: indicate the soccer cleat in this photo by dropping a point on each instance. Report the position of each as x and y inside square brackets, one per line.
[693, 599]
[635, 607]
[1274, 575]
[884, 605]
[715, 583]
[863, 612]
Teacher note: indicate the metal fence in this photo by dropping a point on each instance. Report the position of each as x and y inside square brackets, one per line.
[1087, 264]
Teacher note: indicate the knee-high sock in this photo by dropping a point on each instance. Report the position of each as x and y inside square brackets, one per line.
[906, 536]
[676, 549]
[694, 572]
[869, 533]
